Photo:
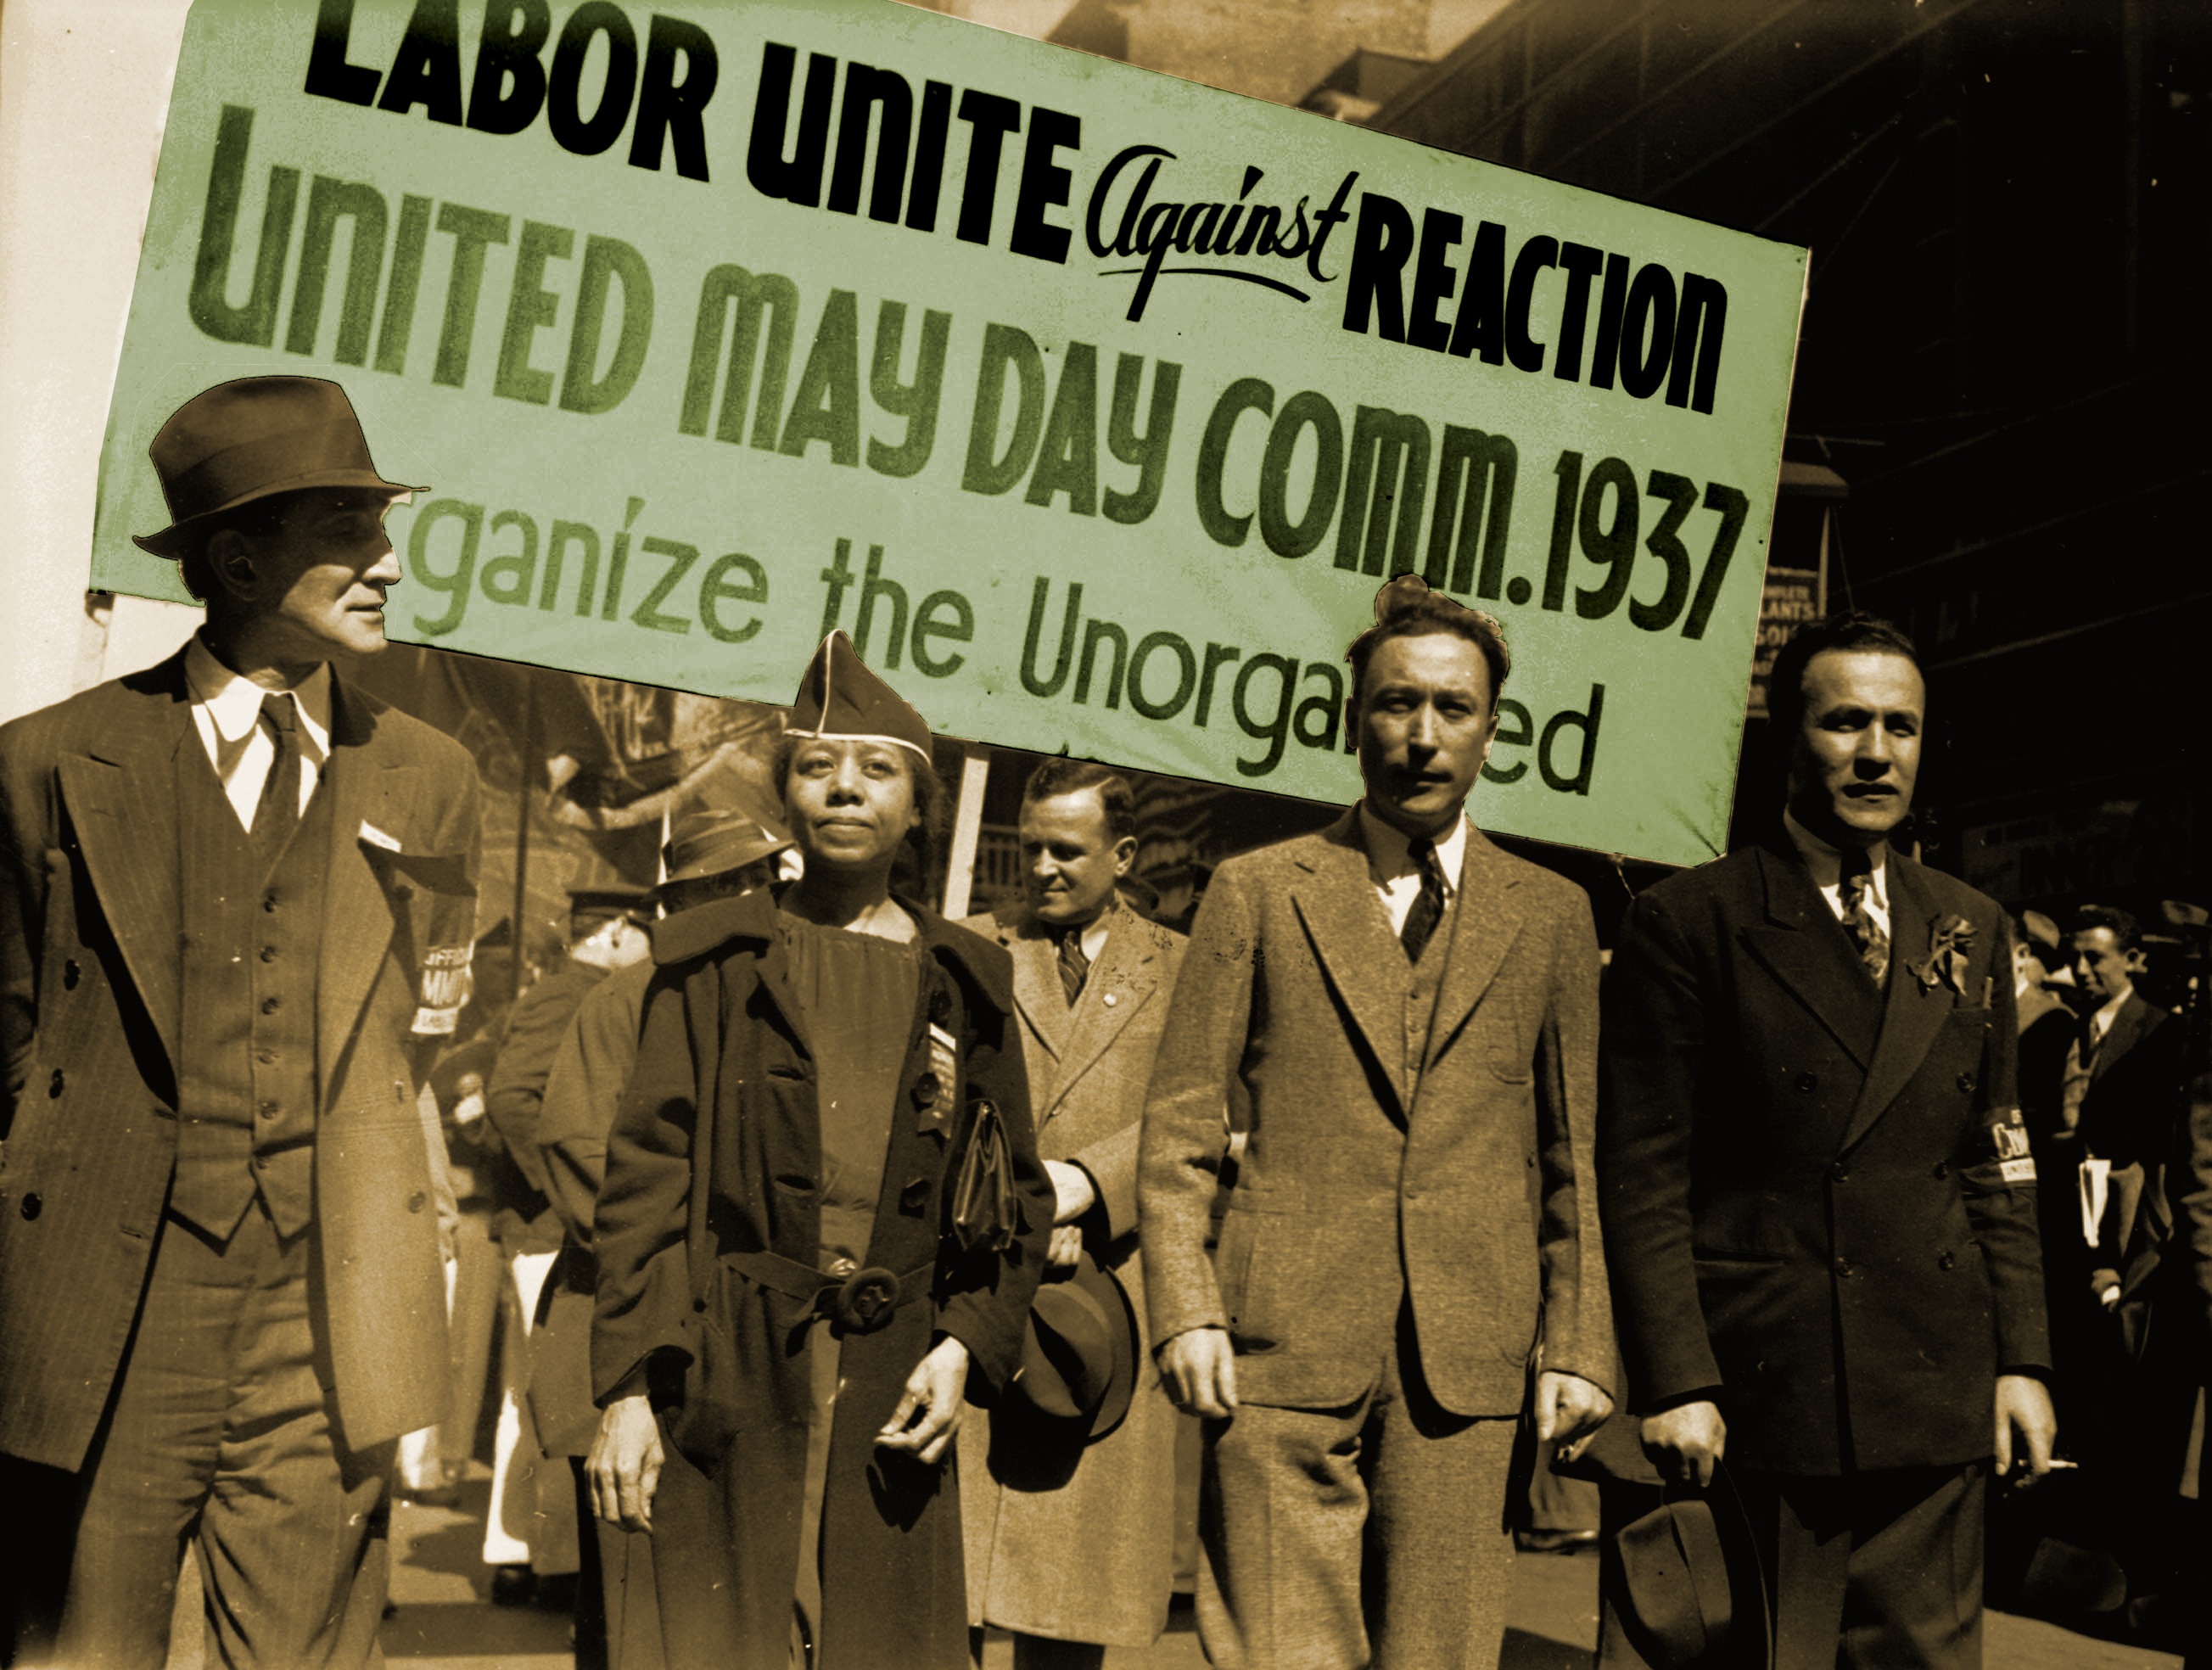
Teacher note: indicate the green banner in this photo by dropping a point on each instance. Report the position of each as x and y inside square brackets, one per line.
[1093, 404]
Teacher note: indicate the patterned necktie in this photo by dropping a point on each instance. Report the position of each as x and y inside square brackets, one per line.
[1866, 933]
[1428, 909]
[1074, 966]
[278, 812]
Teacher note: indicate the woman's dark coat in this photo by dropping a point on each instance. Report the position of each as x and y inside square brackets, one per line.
[728, 1360]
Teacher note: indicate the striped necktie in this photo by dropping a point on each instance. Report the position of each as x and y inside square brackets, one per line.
[1428, 909]
[1074, 966]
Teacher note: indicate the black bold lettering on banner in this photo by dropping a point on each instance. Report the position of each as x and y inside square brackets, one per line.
[1539, 254]
[427, 68]
[329, 75]
[1479, 323]
[1647, 337]
[1044, 184]
[668, 106]
[578, 134]
[1556, 779]
[1433, 279]
[1697, 330]
[1381, 243]
[255, 321]
[796, 178]
[929, 156]
[1580, 262]
[515, 33]
[1605, 351]
[885, 92]
[990, 119]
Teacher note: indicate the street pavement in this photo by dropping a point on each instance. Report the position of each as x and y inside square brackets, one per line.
[443, 1620]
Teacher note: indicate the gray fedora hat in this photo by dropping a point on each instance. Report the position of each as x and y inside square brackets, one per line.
[239, 441]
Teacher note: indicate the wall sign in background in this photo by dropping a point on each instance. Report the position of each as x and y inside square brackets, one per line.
[1093, 404]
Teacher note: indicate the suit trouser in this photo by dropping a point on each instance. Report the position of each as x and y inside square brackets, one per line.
[1374, 1534]
[532, 1519]
[220, 1437]
[1876, 1571]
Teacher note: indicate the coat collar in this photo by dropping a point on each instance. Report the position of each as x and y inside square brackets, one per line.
[1123, 979]
[1801, 944]
[119, 792]
[749, 919]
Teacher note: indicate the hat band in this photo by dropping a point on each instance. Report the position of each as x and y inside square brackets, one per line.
[860, 736]
[267, 464]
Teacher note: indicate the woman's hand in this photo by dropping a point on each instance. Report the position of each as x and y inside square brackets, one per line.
[929, 1413]
[624, 1465]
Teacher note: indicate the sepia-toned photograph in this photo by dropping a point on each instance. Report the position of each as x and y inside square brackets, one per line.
[1105, 835]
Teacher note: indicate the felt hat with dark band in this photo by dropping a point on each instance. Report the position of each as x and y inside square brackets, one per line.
[713, 840]
[1692, 1595]
[236, 442]
[839, 697]
[1079, 1353]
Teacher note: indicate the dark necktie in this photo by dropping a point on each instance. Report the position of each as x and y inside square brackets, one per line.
[1867, 937]
[1074, 966]
[1428, 909]
[278, 813]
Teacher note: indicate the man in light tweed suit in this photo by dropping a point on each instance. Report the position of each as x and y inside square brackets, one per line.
[1411, 1250]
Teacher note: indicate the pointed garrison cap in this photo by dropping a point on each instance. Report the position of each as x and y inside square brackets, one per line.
[840, 697]
[239, 441]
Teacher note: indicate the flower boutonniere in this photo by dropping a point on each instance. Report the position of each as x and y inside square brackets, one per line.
[1950, 943]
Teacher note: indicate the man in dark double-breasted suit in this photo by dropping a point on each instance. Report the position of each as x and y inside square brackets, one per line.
[1819, 1205]
[236, 899]
[1411, 1014]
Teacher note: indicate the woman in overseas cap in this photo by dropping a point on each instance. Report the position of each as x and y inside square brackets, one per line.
[822, 1222]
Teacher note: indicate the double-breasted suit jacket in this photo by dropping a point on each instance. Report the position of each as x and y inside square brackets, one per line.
[1086, 1554]
[1818, 1198]
[1454, 1171]
[90, 1007]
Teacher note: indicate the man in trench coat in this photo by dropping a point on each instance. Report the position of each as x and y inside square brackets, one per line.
[1072, 1547]
[1413, 1014]
[236, 907]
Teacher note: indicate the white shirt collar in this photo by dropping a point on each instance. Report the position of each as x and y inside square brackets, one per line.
[1825, 864]
[234, 704]
[1389, 851]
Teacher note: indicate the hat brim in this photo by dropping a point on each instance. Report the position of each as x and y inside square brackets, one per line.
[721, 863]
[173, 540]
[1112, 1299]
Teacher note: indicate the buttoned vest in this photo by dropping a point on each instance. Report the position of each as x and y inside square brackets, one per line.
[1422, 978]
[246, 1084]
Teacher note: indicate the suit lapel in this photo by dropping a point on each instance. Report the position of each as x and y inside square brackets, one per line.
[1803, 947]
[1038, 994]
[358, 919]
[2119, 1038]
[1352, 938]
[1486, 921]
[121, 796]
[1122, 974]
[1912, 1015]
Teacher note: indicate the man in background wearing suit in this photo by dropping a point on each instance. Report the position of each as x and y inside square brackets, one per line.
[1820, 1209]
[236, 905]
[1411, 1014]
[1073, 1549]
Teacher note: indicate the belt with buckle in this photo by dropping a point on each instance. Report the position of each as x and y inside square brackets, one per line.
[862, 1302]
